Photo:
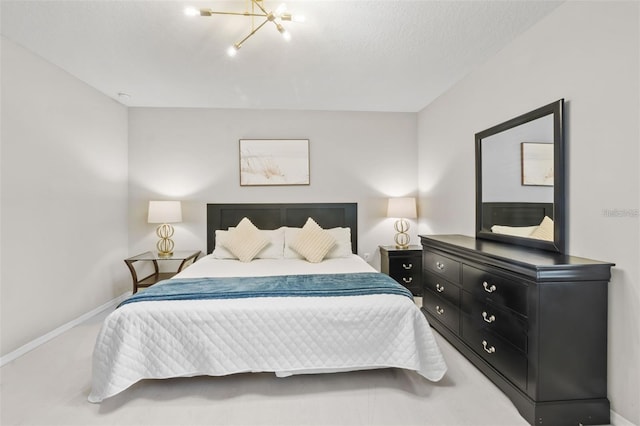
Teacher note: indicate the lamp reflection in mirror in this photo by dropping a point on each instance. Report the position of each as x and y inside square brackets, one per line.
[402, 208]
[165, 212]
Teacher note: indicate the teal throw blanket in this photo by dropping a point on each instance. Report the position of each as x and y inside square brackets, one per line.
[320, 285]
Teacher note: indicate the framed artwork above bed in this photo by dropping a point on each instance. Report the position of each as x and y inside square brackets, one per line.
[268, 162]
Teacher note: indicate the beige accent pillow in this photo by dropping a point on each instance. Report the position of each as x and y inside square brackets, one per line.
[313, 242]
[545, 230]
[245, 241]
[273, 250]
[342, 248]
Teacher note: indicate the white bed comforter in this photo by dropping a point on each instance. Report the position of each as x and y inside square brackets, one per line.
[291, 335]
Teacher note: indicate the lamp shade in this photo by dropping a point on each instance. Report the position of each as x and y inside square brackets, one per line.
[164, 212]
[404, 207]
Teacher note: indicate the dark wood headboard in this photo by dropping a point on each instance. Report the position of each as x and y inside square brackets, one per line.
[514, 214]
[273, 216]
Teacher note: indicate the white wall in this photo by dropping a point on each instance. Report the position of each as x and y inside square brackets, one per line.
[587, 53]
[192, 155]
[64, 197]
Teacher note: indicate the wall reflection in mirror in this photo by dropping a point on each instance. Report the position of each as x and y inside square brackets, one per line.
[520, 180]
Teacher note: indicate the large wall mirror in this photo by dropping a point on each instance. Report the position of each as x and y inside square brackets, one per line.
[520, 185]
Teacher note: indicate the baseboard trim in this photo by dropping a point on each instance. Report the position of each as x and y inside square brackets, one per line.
[618, 420]
[58, 331]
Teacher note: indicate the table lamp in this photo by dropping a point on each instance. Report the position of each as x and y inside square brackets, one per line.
[165, 212]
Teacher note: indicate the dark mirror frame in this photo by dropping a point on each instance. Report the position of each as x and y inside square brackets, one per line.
[558, 244]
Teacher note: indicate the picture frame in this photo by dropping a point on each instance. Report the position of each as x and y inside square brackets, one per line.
[274, 162]
[537, 163]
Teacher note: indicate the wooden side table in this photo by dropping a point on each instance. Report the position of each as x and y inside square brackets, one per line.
[187, 257]
[404, 266]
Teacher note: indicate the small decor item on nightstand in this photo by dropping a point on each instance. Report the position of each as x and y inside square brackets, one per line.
[402, 208]
[165, 212]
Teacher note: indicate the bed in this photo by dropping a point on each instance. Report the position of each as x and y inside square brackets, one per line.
[297, 333]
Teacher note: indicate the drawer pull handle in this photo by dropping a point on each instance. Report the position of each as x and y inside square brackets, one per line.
[488, 318]
[407, 280]
[487, 288]
[488, 350]
[405, 266]
[439, 288]
[439, 310]
[440, 266]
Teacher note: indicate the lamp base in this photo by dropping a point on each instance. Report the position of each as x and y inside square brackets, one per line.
[165, 243]
[402, 238]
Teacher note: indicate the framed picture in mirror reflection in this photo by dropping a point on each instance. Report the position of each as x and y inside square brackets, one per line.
[537, 163]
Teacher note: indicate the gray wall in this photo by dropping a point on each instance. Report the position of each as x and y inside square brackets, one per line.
[64, 197]
[193, 155]
[587, 53]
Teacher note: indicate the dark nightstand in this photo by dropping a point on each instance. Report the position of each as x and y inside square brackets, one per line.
[404, 266]
[186, 258]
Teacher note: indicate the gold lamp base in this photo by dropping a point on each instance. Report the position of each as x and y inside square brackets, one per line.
[402, 238]
[165, 243]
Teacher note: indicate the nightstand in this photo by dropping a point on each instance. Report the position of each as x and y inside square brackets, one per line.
[186, 258]
[404, 266]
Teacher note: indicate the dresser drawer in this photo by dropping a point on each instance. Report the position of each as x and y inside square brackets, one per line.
[509, 361]
[507, 324]
[442, 265]
[445, 289]
[495, 288]
[444, 311]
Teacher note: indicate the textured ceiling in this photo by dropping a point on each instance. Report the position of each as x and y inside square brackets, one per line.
[377, 55]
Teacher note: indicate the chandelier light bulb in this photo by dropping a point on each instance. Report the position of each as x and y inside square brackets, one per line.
[280, 10]
[233, 50]
[191, 11]
[285, 34]
[294, 18]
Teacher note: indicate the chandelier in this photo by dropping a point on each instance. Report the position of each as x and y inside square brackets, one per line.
[254, 9]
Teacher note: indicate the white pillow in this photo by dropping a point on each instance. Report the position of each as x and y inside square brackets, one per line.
[545, 230]
[518, 231]
[220, 252]
[290, 235]
[273, 250]
[313, 242]
[245, 241]
[343, 243]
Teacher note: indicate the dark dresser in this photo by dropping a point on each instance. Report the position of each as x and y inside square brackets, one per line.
[403, 265]
[534, 322]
